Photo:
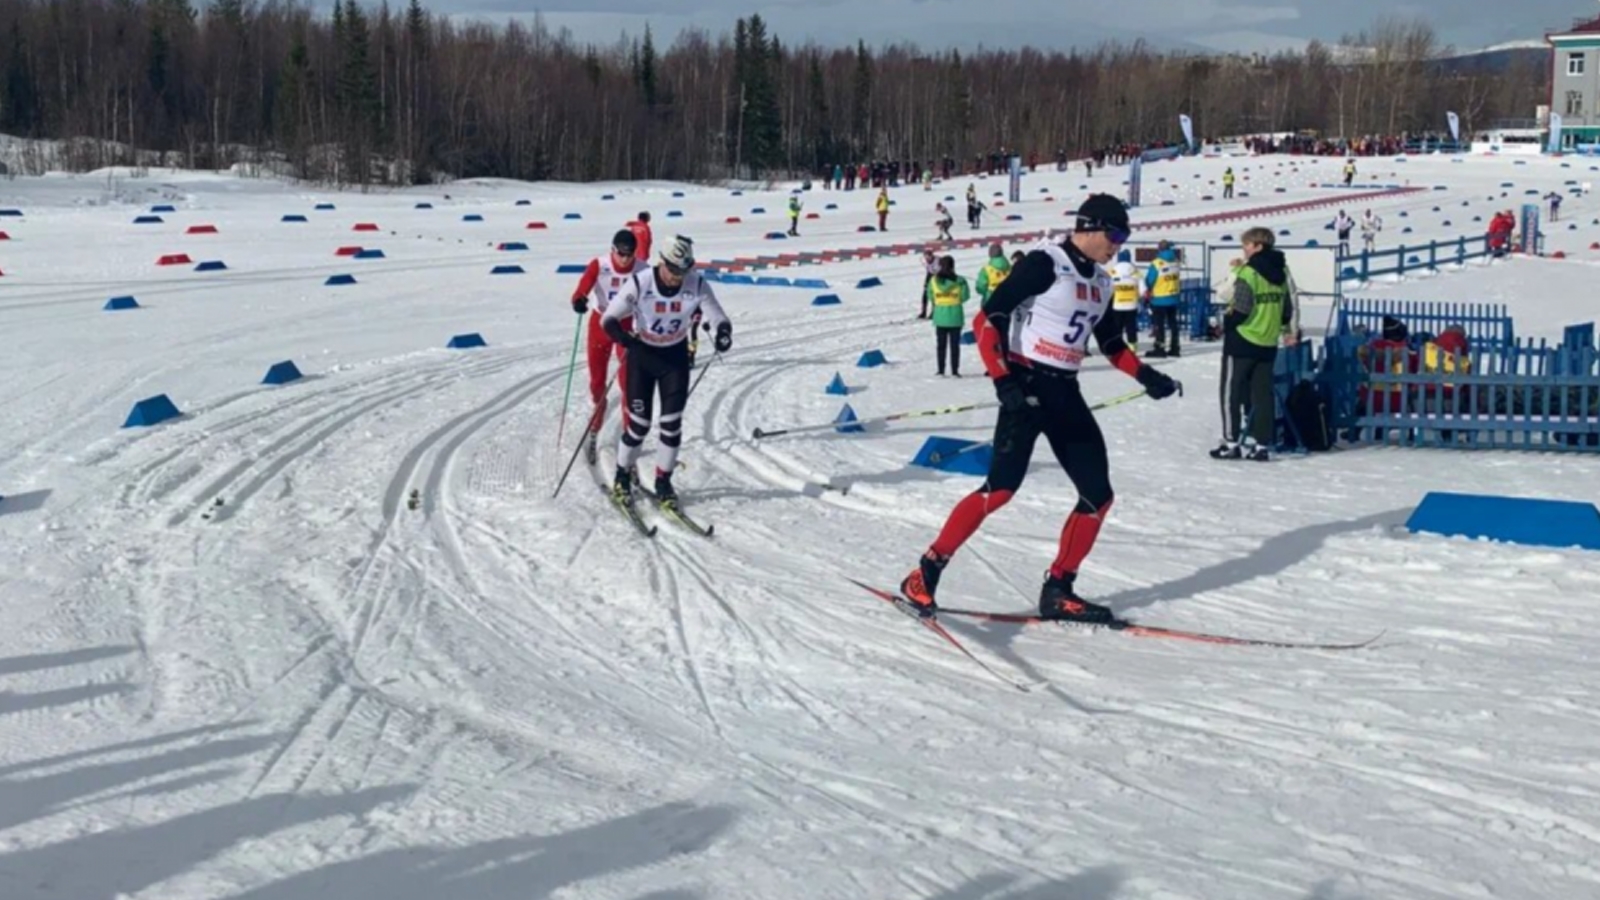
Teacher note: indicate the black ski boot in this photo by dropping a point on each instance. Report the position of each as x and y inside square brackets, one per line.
[622, 488]
[1057, 601]
[1226, 450]
[919, 587]
[666, 496]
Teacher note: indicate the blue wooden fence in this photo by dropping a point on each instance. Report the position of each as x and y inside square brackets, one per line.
[1488, 325]
[1403, 259]
[1525, 395]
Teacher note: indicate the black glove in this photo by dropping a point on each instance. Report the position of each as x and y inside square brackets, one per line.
[724, 339]
[1156, 383]
[1013, 398]
[580, 304]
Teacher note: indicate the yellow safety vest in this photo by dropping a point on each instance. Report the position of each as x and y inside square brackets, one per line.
[993, 276]
[1169, 279]
[1125, 293]
[946, 293]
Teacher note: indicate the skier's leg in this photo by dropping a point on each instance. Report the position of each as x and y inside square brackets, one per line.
[598, 355]
[643, 372]
[1014, 437]
[1080, 448]
[674, 386]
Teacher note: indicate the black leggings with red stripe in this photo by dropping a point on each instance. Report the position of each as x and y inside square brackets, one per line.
[1064, 419]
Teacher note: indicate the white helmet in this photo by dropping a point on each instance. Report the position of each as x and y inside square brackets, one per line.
[679, 255]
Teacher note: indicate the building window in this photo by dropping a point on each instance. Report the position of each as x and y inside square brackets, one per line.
[1574, 103]
[1574, 63]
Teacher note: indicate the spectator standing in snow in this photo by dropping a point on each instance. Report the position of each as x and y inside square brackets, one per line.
[948, 293]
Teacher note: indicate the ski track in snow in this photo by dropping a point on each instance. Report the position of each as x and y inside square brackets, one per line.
[313, 689]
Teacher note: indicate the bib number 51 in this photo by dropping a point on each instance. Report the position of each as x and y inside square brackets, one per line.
[1082, 320]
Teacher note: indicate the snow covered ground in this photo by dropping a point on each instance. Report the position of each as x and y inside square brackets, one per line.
[314, 691]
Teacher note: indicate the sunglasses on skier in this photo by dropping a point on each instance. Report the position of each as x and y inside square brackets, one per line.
[1113, 234]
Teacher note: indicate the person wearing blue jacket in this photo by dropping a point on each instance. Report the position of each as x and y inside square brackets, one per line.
[1163, 288]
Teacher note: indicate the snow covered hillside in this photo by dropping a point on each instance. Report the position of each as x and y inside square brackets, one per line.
[237, 663]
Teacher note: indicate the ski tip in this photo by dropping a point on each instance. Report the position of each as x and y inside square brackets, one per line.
[758, 434]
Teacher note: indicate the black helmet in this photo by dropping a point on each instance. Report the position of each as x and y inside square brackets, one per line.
[625, 242]
[1102, 212]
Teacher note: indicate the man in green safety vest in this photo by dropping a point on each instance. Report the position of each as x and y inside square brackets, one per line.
[1227, 184]
[1262, 309]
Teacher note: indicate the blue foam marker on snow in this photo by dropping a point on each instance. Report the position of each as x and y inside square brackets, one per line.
[151, 411]
[465, 341]
[1517, 520]
[968, 337]
[369, 253]
[524, 203]
[509, 269]
[831, 206]
[424, 206]
[570, 269]
[323, 207]
[167, 207]
[125, 302]
[572, 216]
[472, 217]
[337, 280]
[608, 196]
[735, 278]
[674, 213]
[776, 236]
[773, 281]
[847, 421]
[948, 454]
[814, 283]
[211, 265]
[677, 193]
[508, 246]
[869, 282]
[825, 300]
[147, 220]
[1349, 272]
[871, 359]
[837, 386]
[293, 217]
[282, 373]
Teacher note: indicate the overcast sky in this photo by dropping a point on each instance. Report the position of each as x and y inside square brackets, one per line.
[1196, 24]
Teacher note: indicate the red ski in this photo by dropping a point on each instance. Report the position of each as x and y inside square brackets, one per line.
[905, 606]
[1154, 631]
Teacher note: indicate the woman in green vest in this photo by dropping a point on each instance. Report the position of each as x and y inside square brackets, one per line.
[1262, 308]
[948, 292]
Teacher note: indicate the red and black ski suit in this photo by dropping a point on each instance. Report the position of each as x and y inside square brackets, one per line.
[1038, 399]
[600, 282]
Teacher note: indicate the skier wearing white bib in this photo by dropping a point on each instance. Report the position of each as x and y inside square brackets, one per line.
[661, 301]
[1033, 333]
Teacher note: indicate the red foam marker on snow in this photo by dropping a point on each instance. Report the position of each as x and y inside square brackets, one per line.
[365, 226]
[347, 251]
[174, 259]
[201, 229]
[533, 226]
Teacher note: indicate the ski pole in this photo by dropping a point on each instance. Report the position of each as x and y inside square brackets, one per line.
[703, 370]
[936, 458]
[579, 449]
[895, 417]
[572, 366]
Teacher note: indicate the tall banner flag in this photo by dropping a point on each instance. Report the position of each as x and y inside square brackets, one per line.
[1187, 125]
[1555, 132]
[1528, 231]
[1455, 126]
[1015, 192]
[1135, 170]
